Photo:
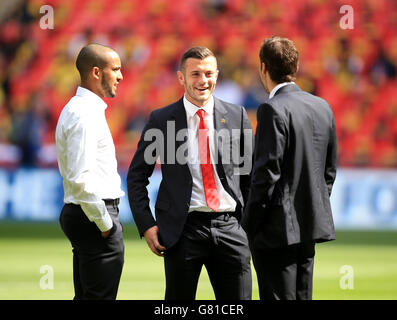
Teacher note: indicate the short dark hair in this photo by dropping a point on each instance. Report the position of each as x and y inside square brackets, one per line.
[92, 55]
[280, 57]
[195, 53]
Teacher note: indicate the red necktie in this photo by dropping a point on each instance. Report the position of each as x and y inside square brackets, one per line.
[211, 193]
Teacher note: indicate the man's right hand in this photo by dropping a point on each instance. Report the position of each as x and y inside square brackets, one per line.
[151, 236]
[106, 234]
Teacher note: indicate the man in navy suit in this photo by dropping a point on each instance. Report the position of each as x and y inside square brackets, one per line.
[205, 148]
[294, 169]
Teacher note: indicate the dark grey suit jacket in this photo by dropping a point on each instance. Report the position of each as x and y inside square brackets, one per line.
[294, 170]
[173, 199]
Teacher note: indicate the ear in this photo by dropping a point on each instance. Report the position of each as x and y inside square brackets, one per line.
[95, 72]
[263, 68]
[181, 77]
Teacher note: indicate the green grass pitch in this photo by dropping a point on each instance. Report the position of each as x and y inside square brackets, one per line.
[370, 257]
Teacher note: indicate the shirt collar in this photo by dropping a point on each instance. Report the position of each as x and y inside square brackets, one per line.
[85, 93]
[191, 109]
[280, 85]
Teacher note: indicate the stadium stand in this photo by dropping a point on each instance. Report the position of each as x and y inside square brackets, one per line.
[354, 70]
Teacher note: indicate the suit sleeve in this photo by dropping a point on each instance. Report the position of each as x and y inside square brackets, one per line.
[331, 160]
[270, 142]
[141, 168]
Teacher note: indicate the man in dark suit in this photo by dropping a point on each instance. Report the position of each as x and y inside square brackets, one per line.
[199, 140]
[295, 156]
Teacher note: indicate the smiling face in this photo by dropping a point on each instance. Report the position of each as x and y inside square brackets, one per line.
[111, 75]
[199, 79]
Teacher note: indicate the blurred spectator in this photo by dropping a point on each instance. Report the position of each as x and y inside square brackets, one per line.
[28, 129]
[229, 90]
[353, 69]
[383, 69]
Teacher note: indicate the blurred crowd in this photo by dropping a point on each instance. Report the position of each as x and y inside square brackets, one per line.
[353, 69]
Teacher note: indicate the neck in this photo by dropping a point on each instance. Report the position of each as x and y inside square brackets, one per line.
[270, 83]
[198, 104]
[92, 88]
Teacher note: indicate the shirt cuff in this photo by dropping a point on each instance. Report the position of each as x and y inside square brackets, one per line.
[105, 223]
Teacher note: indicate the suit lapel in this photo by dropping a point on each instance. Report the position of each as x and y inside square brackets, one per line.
[179, 116]
[220, 123]
[220, 115]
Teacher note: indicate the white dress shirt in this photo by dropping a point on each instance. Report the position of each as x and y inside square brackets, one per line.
[87, 157]
[280, 85]
[197, 201]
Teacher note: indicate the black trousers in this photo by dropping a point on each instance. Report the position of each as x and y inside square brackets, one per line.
[285, 273]
[97, 262]
[217, 241]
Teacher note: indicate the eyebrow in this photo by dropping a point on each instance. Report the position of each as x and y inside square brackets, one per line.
[205, 71]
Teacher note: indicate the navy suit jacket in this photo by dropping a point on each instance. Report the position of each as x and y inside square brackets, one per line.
[173, 199]
[294, 170]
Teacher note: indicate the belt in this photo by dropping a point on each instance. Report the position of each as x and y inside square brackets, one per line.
[212, 215]
[112, 202]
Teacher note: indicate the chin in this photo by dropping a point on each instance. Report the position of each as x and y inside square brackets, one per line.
[205, 97]
[111, 94]
[203, 101]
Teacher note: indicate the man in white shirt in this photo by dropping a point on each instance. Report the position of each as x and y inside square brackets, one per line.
[92, 185]
[202, 195]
